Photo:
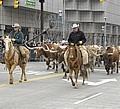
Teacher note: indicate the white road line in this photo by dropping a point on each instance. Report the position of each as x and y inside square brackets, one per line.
[85, 99]
[30, 72]
[100, 70]
[103, 81]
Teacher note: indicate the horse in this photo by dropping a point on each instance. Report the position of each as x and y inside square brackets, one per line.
[13, 58]
[111, 58]
[74, 62]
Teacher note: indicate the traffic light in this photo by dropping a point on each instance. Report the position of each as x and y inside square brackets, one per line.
[101, 1]
[1, 1]
[16, 3]
[41, 1]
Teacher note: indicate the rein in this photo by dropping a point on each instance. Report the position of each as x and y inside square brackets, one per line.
[11, 56]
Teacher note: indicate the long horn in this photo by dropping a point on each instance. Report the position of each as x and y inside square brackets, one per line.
[31, 48]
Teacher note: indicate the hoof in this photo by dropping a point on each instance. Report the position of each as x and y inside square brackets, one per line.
[10, 82]
[76, 87]
[20, 81]
[64, 77]
[83, 83]
[47, 68]
[56, 71]
[25, 79]
[73, 84]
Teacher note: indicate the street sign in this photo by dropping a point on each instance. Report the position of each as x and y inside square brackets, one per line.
[30, 3]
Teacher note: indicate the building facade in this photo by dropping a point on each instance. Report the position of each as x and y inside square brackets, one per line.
[96, 19]
[28, 16]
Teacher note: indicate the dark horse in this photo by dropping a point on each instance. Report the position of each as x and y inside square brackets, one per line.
[74, 61]
[111, 58]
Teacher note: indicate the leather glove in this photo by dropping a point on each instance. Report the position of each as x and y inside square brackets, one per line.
[80, 42]
[13, 39]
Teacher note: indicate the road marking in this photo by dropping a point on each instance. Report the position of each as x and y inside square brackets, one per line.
[103, 81]
[88, 98]
[33, 79]
[46, 77]
[100, 70]
[30, 72]
[3, 85]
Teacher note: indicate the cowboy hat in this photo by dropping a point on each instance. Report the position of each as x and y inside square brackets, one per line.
[16, 25]
[75, 25]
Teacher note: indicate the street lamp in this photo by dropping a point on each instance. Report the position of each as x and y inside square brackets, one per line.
[42, 23]
[63, 19]
[60, 22]
[105, 36]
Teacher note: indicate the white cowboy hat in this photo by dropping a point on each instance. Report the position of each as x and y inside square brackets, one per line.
[16, 25]
[75, 25]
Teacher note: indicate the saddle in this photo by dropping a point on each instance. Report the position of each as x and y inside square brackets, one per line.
[84, 53]
[21, 58]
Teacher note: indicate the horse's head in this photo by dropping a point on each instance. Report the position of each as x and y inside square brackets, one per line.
[72, 52]
[8, 43]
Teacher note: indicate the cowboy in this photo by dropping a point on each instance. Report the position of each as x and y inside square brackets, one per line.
[77, 37]
[18, 39]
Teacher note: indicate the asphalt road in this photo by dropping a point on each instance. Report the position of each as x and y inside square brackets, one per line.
[47, 90]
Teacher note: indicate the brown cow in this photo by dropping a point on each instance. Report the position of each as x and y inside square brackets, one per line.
[49, 56]
[111, 58]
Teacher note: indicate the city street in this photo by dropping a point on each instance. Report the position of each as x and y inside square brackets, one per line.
[77, 32]
[47, 90]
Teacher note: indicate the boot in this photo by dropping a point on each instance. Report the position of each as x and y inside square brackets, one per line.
[23, 60]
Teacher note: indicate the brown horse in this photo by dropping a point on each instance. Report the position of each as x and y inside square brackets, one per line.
[111, 58]
[74, 61]
[13, 58]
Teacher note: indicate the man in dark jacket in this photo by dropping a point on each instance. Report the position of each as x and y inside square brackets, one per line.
[18, 40]
[77, 37]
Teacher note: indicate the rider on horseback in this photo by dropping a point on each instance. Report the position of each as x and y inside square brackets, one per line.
[18, 39]
[77, 37]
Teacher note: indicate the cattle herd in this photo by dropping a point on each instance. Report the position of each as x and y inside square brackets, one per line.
[55, 53]
[97, 56]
